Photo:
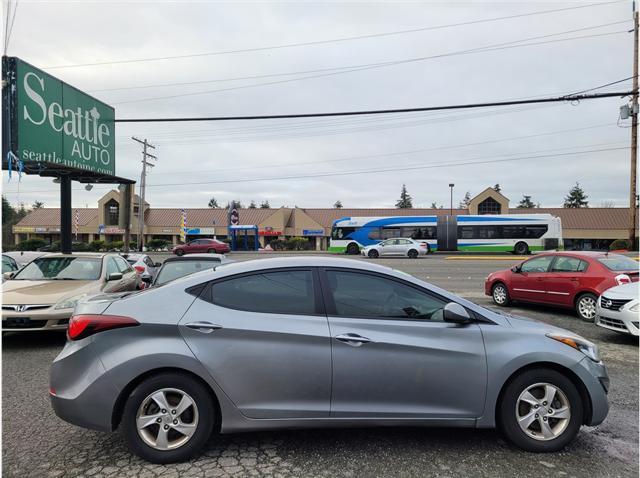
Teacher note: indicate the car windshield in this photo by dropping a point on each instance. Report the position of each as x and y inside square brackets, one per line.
[617, 262]
[62, 268]
[175, 269]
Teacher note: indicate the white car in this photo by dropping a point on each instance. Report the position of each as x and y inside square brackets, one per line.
[618, 308]
[397, 247]
[143, 264]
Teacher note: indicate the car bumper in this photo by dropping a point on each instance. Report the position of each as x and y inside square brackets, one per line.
[48, 319]
[80, 389]
[623, 321]
[595, 378]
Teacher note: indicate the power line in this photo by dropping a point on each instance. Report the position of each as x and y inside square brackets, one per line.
[603, 86]
[333, 40]
[377, 112]
[370, 66]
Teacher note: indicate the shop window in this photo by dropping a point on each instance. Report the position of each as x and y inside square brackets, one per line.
[489, 206]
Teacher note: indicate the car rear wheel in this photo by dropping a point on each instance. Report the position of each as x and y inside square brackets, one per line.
[373, 254]
[168, 418]
[586, 307]
[500, 294]
[413, 254]
[540, 411]
[211, 251]
[179, 252]
[521, 248]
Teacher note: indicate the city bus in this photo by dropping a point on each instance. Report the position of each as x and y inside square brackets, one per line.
[517, 233]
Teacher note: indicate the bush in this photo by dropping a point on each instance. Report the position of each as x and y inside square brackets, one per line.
[97, 246]
[620, 244]
[115, 246]
[31, 245]
[297, 244]
[158, 244]
[278, 245]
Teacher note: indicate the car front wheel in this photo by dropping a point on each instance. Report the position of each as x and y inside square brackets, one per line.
[373, 254]
[540, 411]
[413, 254]
[586, 307]
[179, 252]
[500, 294]
[168, 418]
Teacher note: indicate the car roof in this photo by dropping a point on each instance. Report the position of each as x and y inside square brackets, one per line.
[196, 257]
[585, 254]
[81, 254]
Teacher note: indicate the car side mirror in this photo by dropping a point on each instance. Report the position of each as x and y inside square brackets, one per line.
[516, 269]
[8, 275]
[114, 276]
[157, 264]
[146, 278]
[454, 312]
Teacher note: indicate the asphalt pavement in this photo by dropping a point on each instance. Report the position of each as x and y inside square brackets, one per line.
[35, 443]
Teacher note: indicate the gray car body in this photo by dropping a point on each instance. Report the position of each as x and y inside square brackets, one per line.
[269, 371]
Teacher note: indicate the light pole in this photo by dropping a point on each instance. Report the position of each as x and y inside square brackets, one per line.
[451, 185]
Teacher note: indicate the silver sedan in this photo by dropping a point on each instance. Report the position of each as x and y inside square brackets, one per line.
[305, 342]
[397, 247]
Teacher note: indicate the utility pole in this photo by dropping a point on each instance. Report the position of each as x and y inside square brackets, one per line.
[143, 183]
[633, 225]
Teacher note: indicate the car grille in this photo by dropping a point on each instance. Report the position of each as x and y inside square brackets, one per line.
[612, 304]
[615, 323]
[22, 323]
[24, 308]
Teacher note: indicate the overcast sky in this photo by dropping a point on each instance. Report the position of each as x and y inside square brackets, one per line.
[50, 33]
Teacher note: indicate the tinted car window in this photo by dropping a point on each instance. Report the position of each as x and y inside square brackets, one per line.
[365, 295]
[61, 268]
[123, 266]
[617, 262]
[282, 292]
[112, 267]
[568, 264]
[175, 269]
[8, 264]
[539, 264]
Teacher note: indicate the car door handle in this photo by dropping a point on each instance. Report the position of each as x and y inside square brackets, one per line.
[205, 327]
[354, 340]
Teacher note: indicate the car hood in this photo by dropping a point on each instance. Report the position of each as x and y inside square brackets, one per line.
[519, 322]
[45, 291]
[624, 291]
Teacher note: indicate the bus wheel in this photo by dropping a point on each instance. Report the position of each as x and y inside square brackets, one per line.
[521, 249]
[353, 249]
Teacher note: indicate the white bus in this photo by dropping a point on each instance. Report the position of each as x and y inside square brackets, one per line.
[517, 233]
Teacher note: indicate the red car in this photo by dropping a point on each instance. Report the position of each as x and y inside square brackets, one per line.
[201, 245]
[565, 279]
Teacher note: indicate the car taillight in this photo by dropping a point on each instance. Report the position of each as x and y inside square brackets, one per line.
[140, 269]
[81, 326]
[623, 279]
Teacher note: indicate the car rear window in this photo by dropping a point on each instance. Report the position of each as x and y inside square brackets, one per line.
[616, 262]
[176, 269]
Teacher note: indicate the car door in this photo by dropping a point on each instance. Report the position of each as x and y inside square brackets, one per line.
[563, 280]
[528, 283]
[394, 356]
[403, 246]
[264, 338]
[111, 267]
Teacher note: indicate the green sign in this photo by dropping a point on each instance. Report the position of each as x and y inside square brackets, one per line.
[55, 123]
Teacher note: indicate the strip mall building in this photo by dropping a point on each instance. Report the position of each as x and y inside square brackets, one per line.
[587, 228]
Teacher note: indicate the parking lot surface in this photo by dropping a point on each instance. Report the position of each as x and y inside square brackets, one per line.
[35, 443]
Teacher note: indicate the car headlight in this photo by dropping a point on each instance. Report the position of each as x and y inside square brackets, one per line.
[635, 308]
[582, 345]
[69, 303]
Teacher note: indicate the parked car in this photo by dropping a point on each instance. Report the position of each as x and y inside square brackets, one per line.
[144, 266]
[618, 309]
[180, 266]
[9, 264]
[397, 247]
[302, 342]
[22, 258]
[42, 295]
[202, 245]
[564, 279]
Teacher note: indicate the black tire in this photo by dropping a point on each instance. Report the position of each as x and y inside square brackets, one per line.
[353, 249]
[413, 254]
[206, 413]
[500, 294]
[586, 307]
[507, 410]
[373, 254]
[211, 251]
[521, 249]
[179, 252]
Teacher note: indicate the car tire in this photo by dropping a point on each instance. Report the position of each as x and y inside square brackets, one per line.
[179, 252]
[521, 249]
[211, 251]
[180, 447]
[413, 254]
[500, 294]
[534, 427]
[373, 254]
[586, 307]
[353, 249]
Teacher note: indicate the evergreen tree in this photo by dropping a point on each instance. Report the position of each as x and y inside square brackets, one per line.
[464, 204]
[265, 205]
[252, 205]
[405, 201]
[338, 204]
[576, 198]
[213, 203]
[497, 187]
[238, 204]
[37, 205]
[434, 205]
[526, 203]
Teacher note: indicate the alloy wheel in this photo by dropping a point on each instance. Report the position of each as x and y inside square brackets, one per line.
[587, 307]
[167, 419]
[543, 411]
[500, 294]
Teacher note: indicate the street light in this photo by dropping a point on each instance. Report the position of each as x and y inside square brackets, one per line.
[451, 185]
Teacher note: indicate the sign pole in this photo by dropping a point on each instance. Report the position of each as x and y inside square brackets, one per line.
[65, 214]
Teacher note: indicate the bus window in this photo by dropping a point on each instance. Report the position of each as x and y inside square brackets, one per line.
[374, 233]
[486, 232]
[536, 231]
[342, 232]
[389, 232]
[417, 232]
[465, 232]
